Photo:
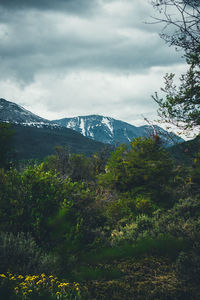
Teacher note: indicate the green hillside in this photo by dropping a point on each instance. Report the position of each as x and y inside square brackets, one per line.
[36, 143]
[185, 152]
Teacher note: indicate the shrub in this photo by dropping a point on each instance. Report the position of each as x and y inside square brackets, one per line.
[142, 168]
[30, 198]
[141, 227]
[188, 266]
[20, 253]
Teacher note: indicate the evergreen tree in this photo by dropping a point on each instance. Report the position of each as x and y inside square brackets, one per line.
[6, 134]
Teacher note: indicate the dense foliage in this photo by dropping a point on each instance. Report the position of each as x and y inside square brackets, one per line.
[97, 220]
[6, 135]
[179, 104]
[126, 224]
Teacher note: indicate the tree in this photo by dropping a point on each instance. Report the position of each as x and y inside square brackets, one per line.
[76, 166]
[182, 18]
[144, 168]
[181, 105]
[6, 134]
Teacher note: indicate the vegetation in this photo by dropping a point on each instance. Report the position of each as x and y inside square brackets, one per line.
[6, 135]
[37, 143]
[180, 104]
[14, 286]
[125, 223]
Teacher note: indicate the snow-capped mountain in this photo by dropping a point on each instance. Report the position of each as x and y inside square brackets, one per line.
[14, 113]
[111, 131]
[35, 137]
[98, 128]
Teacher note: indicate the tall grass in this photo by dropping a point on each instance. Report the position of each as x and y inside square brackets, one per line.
[163, 245]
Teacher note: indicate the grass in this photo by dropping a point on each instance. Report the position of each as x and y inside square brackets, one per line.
[164, 245]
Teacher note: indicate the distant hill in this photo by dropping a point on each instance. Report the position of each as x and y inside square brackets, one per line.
[36, 137]
[186, 151]
[31, 142]
[111, 131]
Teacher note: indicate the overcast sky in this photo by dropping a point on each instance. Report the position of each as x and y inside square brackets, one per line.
[64, 58]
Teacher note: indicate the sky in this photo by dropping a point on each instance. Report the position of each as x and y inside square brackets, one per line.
[66, 58]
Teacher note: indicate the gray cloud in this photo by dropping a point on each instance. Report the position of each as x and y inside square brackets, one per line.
[33, 42]
[73, 6]
[103, 47]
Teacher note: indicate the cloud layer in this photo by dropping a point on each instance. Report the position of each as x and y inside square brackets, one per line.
[74, 57]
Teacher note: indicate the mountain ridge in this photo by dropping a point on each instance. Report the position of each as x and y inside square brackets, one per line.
[98, 128]
[36, 137]
[10, 111]
[112, 131]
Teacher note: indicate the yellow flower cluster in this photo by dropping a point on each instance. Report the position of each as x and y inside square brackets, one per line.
[37, 284]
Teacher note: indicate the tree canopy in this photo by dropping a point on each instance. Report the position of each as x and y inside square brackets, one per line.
[180, 105]
[6, 134]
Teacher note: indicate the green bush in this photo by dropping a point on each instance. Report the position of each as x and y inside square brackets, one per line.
[6, 141]
[183, 220]
[144, 167]
[141, 227]
[20, 254]
[32, 197]
[188, 266]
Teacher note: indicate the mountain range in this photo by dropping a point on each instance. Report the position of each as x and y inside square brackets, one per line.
[36, 137]
[110, 131]
[14, 113]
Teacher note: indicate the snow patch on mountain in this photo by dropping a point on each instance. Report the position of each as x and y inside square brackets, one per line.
[100, 128]
[126, 135]
[82, 126]
[111, 131]
[107, 123]
[71, 124]
[13, 113]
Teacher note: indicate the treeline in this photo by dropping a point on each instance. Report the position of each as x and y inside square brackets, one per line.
[74, 216]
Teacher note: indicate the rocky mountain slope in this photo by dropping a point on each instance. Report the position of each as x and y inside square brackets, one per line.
[36, 137]
[111, 131]
[14, 113]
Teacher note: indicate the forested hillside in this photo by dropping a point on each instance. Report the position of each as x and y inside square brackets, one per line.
[36, 143]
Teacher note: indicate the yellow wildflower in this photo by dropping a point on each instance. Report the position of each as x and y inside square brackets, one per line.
[27, 278]
[12, 278]
[24, 287]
